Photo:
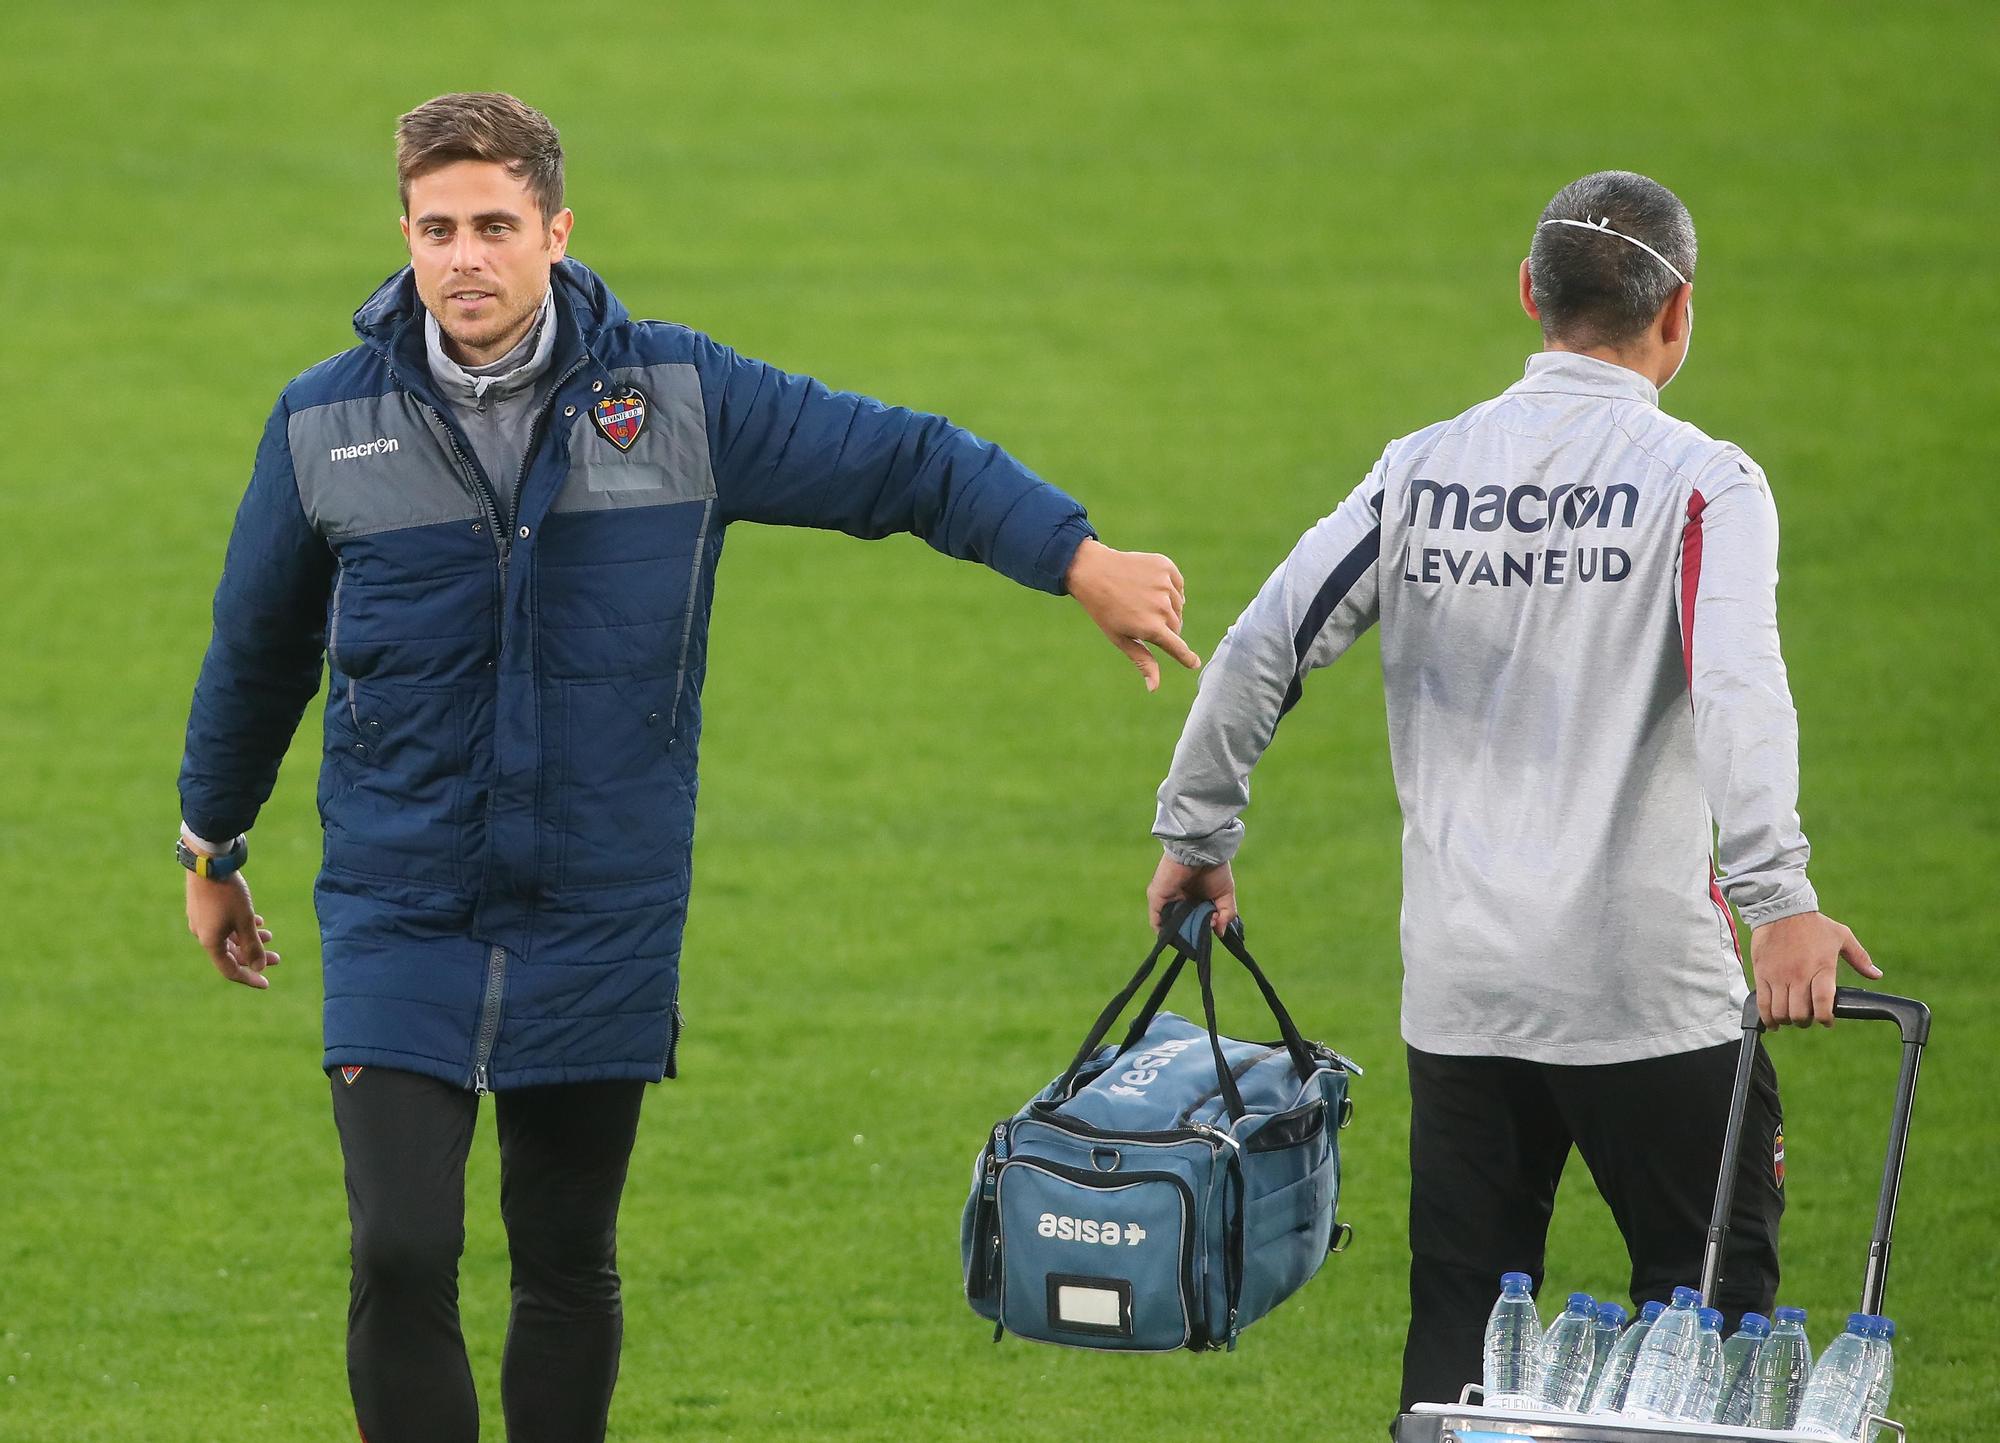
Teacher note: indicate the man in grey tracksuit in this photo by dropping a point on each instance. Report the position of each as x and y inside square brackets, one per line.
[1577, 601]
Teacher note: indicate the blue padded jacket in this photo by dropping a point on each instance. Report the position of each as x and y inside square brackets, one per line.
[514, 701]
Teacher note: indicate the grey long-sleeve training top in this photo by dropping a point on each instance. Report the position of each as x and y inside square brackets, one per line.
[1578, 602]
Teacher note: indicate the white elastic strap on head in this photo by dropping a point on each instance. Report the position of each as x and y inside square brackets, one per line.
[1603, 227]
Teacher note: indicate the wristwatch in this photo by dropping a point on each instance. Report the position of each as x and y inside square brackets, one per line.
[217, 868]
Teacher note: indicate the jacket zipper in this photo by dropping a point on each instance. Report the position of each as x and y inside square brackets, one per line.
[528, 450]
[489, 1017]
[496, 959]
[674, 1025]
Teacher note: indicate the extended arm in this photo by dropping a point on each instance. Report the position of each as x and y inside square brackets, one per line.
[788, 451]
[1747, 742]
[1308, 613]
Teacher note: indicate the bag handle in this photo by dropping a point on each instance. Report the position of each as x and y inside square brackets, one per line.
[1184, 926]
[1913, 1021]
[1232, 939]
[1110, 1015]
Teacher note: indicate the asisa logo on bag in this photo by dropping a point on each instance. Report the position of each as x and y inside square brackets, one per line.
[1089, 1230]
[1145, 1069]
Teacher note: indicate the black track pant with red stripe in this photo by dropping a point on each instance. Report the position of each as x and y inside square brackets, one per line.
[1488, 1140]
[563, 1153]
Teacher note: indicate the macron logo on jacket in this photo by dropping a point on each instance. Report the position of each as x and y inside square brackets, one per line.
[366, 448]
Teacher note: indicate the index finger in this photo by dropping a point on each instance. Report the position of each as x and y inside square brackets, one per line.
[1179, 650]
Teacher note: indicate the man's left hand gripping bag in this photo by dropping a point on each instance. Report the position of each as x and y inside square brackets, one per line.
[1166, 1192]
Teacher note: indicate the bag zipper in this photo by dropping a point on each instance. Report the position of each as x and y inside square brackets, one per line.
[1236, 1074]
[985, 1261]
[1166, 1137]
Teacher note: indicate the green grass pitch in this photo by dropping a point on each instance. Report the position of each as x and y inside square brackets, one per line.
[1194, 262]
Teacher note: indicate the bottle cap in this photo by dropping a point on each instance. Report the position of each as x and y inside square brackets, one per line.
[1581, 1302]
[1516, 1282]
[1651, 1311]
[1790, 1315]
[1686, 1297]
[1884, 1327]
[1611, 1315]
[1711, 1318]
[1755, 1324]
[1859, 1323]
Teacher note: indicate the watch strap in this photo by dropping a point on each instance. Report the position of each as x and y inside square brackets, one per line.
[214, 868]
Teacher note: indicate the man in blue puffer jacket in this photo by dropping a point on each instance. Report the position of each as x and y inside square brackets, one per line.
[498, 520]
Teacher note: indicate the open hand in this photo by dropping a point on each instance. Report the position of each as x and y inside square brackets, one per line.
[222, 919]
[1136, 599]
[1793, 960]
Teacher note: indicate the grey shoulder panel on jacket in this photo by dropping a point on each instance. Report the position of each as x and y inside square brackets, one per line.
[666, 463]
[370, 464]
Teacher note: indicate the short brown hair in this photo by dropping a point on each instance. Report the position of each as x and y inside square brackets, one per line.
[482, 125]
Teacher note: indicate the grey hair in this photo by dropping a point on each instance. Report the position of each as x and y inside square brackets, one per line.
[1597, 289]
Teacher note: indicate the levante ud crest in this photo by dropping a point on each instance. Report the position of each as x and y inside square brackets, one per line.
[620, 418]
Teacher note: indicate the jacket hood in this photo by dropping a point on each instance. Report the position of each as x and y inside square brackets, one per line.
[394, 304]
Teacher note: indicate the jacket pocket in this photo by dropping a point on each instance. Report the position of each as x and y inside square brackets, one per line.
[395, 808]
[627, 804]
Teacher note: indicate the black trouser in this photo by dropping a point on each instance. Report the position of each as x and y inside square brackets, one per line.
[563, 1152]
[1488, 1140]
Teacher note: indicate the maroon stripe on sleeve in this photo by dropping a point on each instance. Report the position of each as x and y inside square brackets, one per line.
[1690, 584]
[1690, 581]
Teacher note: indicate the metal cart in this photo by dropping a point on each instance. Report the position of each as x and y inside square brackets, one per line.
[1468, 1422]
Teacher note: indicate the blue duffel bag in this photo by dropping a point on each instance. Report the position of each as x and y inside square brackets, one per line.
[1166, 1192]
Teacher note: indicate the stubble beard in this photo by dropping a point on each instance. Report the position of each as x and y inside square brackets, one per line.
[487, 335]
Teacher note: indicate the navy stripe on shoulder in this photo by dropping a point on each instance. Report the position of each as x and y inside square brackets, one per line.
[1332, 592]
[355, 374]
[645, 343]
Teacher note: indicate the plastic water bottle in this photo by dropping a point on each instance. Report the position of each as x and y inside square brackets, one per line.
[1607, 1394]
[1885, 1372]
[1840, 1382]
[1513, 1345]
[1779, 1372]
[1568, 1351]
[1610, 1318]
[1666, 1362]
[1739, 1355]
[1704, 1391]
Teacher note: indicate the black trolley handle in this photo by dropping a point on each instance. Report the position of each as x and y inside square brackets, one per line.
[1184, 926]
[1913, 1020]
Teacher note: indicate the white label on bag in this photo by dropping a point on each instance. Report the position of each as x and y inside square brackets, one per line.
[1145, 1068]
[1089, 1230]
[1092, 1307]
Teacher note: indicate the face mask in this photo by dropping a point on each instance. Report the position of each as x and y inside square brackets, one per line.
[1685, 349]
